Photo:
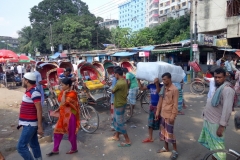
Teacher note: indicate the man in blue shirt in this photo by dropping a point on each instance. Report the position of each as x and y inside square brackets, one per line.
[67, 74]
[152, 123]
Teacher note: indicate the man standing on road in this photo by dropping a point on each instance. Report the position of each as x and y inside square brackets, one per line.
[30, 118]
[39, 84]
[133, 87]
[120, 102]
[216, 114]
[20, 70]
[168, 107]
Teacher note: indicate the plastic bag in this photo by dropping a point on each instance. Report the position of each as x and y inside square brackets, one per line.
[150, 70]
[237, 120]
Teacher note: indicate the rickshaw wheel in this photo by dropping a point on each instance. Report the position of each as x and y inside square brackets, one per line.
[50, 108]
[145, 101]
[197, 87]
[89, 118]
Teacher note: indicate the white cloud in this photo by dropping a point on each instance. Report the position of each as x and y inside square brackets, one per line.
[14, 35]
[4, 22]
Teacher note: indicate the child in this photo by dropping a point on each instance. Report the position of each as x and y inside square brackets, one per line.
[152, 123]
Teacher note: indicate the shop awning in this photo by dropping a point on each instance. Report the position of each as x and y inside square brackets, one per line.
[164, 51]
[56, 55]
[123, 54]
[146, 48]
[229, 50]
[238, 53]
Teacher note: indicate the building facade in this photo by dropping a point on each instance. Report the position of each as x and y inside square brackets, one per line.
[132, 14]
[109, 23]
[219, 19]
[10, 41]
[158, 11]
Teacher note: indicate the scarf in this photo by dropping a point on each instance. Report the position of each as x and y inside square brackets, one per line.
[216, 97]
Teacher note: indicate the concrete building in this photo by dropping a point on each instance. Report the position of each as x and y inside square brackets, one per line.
[132, 14]
[158, 11]
[109, 23]
[10, 41]
[219, 19]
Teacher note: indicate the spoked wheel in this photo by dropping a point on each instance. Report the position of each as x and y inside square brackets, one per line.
[221, 154]
[89, 119]
[128, 112]
[50, 108]
[145, 101]
[197, 87]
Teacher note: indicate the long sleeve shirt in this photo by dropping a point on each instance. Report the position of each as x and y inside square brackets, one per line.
[220, 114]
[169, 108]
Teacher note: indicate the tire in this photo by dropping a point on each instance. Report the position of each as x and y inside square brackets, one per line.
[197, 87]
[89, 119]
[128, 112]
[229, 155]
[145, 101]
[50, 108]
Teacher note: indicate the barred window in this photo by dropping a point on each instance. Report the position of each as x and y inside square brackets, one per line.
[233, 8]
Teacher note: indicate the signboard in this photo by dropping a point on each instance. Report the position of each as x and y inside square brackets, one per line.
[208, 40]
[37, 53]
[195, 47]
[143, 54]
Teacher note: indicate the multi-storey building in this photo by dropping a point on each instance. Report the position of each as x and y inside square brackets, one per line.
[109, 23]
[132, 14]
[13, 42]
[158, 11]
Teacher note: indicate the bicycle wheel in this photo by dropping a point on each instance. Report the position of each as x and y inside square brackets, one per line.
[221, 154]
[145, 101]
[197, 87]
[89, 119]
[50, 107]
[128, 112]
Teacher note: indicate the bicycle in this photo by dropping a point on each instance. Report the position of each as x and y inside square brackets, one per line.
[230, 154]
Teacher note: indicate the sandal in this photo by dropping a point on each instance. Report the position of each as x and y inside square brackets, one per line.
[52, 153]
[147, 140]
[174, 155]
[123, 144]
[162, 150]
[71, 152]
[112, 139]
[181, 113]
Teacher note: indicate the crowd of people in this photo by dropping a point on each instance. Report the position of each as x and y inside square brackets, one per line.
[166, 102]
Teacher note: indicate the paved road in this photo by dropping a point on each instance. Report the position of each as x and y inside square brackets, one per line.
[187, 130]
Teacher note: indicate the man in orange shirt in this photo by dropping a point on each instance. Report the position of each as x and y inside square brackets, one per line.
[168, 107]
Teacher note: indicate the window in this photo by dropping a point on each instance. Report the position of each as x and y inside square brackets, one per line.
[184, 4]
[173, 8]
[173, 1]
[163, 19]
[233, 8]
[161, 12]
[161, 5]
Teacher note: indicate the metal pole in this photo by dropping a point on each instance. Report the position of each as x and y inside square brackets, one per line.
[97, 39]
[191, 36]
[51, 39]
[195, 26]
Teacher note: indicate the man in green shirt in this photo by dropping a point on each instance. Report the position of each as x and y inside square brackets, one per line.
[133, 87]
[120, 101]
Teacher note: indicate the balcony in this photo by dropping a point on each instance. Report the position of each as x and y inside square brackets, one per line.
[155, 15]
[155, 1]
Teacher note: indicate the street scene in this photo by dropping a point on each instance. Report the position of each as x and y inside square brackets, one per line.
[120, 79]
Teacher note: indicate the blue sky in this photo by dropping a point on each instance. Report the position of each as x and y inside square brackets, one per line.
[14, 13]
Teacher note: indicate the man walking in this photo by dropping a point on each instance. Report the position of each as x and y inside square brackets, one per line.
[120, 102]
[216, 115]
[30, 118]
[168, 106]
[132, 85]
[20, 70]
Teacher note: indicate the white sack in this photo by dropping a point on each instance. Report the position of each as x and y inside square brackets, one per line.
[150, 70]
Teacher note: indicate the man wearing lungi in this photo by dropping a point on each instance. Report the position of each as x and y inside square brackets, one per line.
[120, 101]
[216, 115]
[168, 107]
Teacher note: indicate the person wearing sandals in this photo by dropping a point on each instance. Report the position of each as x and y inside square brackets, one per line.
[69, 118]
[120, 101]
[168, 107]
[152, 123]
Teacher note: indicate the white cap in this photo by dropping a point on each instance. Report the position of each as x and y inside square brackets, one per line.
[30, 76]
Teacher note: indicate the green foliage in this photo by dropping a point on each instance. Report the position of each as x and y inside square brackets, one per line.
[25, 40]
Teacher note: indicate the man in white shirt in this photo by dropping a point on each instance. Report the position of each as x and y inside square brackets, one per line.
[20, 70]
[12, 68]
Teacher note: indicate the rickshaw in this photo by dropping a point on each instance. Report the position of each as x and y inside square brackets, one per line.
[99, 66]
[65, 64]
[88, 115]
[128, 65]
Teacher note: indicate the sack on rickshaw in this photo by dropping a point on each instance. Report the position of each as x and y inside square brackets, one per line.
[150, 70]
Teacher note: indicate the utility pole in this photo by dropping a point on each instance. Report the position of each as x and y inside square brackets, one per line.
[51, 43]
[191, 36]
[195, 25]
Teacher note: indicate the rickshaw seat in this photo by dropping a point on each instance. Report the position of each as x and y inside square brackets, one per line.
[94, 84]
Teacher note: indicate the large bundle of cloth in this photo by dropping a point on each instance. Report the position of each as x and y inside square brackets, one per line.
[150, 70]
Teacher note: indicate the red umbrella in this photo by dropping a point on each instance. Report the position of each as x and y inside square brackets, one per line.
[8, 54]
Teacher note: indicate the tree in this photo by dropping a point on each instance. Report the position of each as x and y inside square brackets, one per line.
[25, 40]
[121, 37]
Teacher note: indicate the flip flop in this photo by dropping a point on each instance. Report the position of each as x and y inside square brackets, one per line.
[124, 144]
[52, 154]
[162, 150]
[147, 140]
[181, 113]
[174, 155]
[71, 152]
[112, 139]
